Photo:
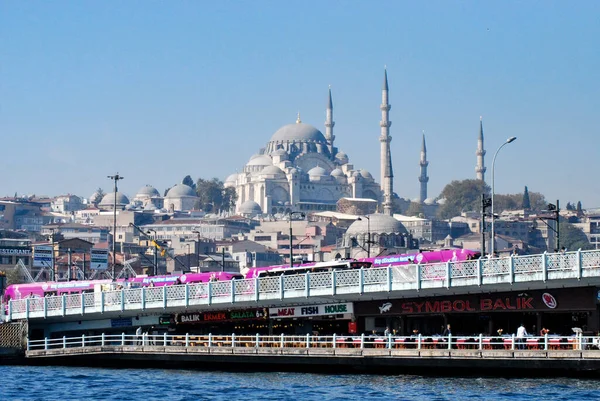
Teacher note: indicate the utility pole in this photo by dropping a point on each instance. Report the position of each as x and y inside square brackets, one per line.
[116, 179]
[69, 264]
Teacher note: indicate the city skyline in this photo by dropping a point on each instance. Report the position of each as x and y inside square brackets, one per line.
[154, 93]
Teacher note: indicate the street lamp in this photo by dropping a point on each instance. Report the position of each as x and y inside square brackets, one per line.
[368, 235]
[493, 245]
[292, 214]
[115, 178]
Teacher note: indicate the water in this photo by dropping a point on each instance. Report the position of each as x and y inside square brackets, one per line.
[67, 383]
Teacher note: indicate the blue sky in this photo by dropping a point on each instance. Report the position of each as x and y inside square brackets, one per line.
[158, 90]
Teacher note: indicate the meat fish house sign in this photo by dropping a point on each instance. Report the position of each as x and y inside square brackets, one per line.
[579, 299]
[311, 310]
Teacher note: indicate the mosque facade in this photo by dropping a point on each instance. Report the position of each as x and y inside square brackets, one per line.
[301, 169]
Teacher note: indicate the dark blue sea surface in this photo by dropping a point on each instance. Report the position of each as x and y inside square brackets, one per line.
[68, 383]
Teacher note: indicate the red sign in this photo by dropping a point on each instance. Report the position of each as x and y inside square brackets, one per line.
[351, 327]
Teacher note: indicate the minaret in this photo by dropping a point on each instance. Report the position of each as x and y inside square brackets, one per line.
[480, 168]
[387, 175]
[423, 179]
[388, 189]
[329, 124]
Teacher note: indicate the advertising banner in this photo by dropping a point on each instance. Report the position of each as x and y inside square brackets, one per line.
[42, 256]
[311, 310]
[98, 259]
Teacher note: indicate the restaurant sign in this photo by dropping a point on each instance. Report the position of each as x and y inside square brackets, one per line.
[15, 251]
[221, 316]
[311, 310]
[532, 301]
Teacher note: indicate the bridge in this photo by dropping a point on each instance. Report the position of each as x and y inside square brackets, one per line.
[507, 355]
[571, 269]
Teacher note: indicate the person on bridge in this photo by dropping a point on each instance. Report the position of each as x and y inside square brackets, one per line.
[521, 334]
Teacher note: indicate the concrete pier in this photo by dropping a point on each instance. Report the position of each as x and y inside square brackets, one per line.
[331, 360]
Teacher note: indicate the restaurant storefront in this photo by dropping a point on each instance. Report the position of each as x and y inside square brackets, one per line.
[558, 310]
[243, 321]
[324, 319]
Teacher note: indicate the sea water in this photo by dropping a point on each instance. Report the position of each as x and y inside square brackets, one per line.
[76, 383]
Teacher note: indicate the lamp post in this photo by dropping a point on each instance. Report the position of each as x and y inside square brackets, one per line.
[154, 252]
[368, 234]
[493, 245]
[115, 178]
[292, 214]
[197, 249]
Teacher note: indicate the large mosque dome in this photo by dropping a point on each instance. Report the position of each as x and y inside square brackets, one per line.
[180, 190]
[298, 132]
[147, 191]
[108, 201]
[376, 223]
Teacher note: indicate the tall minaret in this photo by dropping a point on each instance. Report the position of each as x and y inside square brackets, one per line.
[329, 124]
[480, 168]
[387, 175]
[388, 188]
[423, 179]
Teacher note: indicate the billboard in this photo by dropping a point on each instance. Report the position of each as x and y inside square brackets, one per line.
[42, 256]
[98, 259]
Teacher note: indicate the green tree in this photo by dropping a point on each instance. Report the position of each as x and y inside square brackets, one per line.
[213, 196]
[462, 196]
[526, 203]
[573, 238]
[187, 180]
[579, 209]
[415, 209]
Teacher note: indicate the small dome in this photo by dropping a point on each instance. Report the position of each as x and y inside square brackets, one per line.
[231, 179]
[342, 157]
[317, 172]
[429, 201]
[298, 132]
[109, 200]
[355, 174]
[150, 207]
[250, 208]
[180, 190]
[337, 173]
[260, 160]
[441, 201]
[377, 223]
[148, 191]
[272, 170]
[293, 171]
[366, 174]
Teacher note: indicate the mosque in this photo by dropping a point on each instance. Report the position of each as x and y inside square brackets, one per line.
[300, 169]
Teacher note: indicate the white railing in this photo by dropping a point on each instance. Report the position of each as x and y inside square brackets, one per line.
[475, 342]
[482, 272]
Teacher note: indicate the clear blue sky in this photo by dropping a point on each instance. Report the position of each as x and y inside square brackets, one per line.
[157, 90]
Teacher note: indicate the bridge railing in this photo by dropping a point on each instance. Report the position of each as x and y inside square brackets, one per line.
[474, 342]
[481, 272]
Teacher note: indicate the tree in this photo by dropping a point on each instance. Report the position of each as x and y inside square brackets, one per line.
[462, 196]
[99, 195]
[212, 195]
[229, 198]
[187, 180]
[526, 204]
[579, 209]
[570, 206]
[573, 238]
[415, 209]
